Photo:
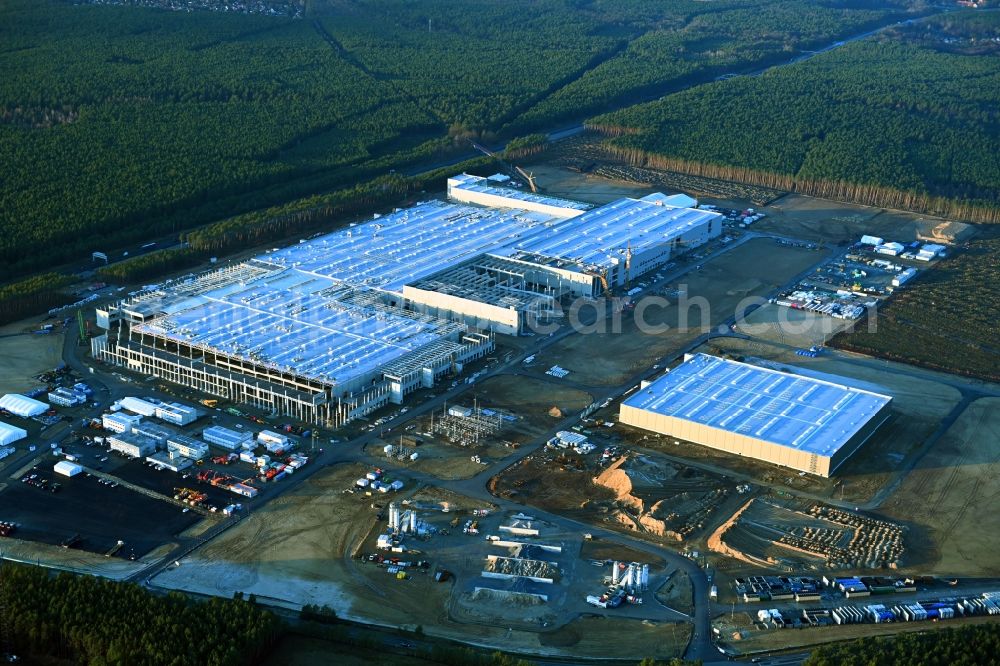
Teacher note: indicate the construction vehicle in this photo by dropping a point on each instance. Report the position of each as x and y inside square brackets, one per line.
[83, 326]
[603, 277]
[114, 549]
[628, 264]
[528, 177]
[221, 480]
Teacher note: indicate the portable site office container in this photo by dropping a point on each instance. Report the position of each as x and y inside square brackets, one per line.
[271, 437]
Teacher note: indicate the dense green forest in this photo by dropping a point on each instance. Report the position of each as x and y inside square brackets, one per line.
[963, 646]
[908, 119]
[944, 319]
[86, 620]
[32, 295]
[124, 123]
[704, 40]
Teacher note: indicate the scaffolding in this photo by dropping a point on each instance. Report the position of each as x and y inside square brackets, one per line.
[467, 430]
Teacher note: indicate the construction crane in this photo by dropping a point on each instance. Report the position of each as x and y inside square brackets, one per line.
[82, 325]
[628, 264]
[528, 177]
[603, 277]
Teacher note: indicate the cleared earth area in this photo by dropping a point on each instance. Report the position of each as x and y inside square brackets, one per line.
[24, 355]
[952, 493]
[530, 407]
[293, 551]
[614, 350]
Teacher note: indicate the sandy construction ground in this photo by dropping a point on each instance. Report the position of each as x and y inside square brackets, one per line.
[832, 221]
[77, 561]
[561, 182]
[610, 355]
[951, 496]
[615, 638]
[530, 400]
[799, 328]
[291, 552]
[24, 355]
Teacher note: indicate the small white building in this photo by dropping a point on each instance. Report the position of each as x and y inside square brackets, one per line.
[187, 447]
[673, 200]
[892, 249]
[67, 468]
[266, 437]
[154, 431]
[930, 251]
[119, 422]
[176, 413]
[230, 440]
[458, 410]
[872, 240]
[132, 445]
[904, 277]
[65, 397]
[138, 406]
[566, 439]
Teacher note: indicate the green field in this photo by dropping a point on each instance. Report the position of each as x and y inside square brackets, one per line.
[907, 119]
[123, 123]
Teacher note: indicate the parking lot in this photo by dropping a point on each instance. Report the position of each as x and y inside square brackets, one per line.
[98, 514]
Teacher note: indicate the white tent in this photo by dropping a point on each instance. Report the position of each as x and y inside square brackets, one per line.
[138, 406]
[10, 434]
[22, 405]
[678, 200]
[66, 468]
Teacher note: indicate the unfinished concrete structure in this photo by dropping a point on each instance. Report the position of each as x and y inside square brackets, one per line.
[332, 328]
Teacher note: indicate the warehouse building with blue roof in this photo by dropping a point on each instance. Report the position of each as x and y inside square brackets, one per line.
[799, 422]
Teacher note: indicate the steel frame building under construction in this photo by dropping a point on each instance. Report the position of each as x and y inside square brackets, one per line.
[332, 328]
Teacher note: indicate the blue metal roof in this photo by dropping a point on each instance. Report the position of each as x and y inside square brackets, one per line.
[801, 413]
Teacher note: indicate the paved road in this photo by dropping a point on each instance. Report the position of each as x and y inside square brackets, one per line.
[701, 645]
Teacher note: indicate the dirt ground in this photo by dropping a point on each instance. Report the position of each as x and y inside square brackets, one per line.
[798, 328]
[561, 482]
[761, 640]
[443, 459]
[530, 399]
[597, 549]
[601, 637]
[293, 551]
[609, 356]
[560, 182]
[951, 496]
[24, 355]
[677, 593]
[298, 549]
[835, 222]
